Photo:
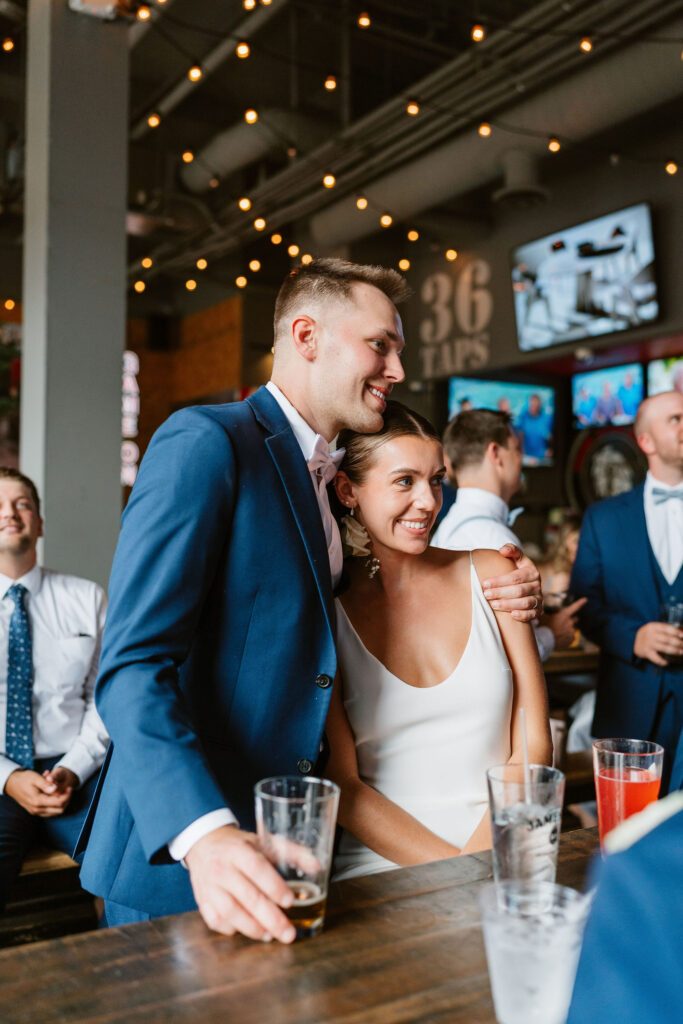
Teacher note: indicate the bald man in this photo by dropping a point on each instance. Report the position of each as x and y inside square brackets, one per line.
[630, 567]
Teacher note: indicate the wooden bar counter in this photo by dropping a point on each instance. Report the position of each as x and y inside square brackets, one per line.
[402, 946]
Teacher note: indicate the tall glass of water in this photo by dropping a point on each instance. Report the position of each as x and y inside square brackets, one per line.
[526, 815]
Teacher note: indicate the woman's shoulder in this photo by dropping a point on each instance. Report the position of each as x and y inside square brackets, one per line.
[488, 562]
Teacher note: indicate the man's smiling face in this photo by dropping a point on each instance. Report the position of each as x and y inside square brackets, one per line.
[20, 522]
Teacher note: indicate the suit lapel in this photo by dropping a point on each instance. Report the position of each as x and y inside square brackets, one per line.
[296, 480]
[637, 551]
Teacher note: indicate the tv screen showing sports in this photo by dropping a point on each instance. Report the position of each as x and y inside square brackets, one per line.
[532, 410]
[665, 375]
[589, 280]
[611, 396]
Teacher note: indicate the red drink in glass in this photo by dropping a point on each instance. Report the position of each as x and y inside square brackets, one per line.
[622, 792]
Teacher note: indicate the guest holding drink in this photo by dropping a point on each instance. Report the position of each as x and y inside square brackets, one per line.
[630, 563]
[431, 678]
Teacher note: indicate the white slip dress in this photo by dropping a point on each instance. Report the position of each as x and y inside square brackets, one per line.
[427, 749]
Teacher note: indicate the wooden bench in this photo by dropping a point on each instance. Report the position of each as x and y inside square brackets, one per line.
[47, 901]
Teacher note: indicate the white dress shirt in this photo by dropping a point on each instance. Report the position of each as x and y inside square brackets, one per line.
[478, 519]
[66, 616]
[306, 438]
[665, 527]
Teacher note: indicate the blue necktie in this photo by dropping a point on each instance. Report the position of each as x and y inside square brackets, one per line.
[661, 495]
[19, 727]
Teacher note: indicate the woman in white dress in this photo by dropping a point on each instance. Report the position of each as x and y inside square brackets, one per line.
[431, 679]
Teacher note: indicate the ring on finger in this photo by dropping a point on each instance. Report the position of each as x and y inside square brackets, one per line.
[535, 603]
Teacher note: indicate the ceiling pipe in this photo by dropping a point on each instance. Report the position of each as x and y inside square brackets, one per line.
[577, 108]
[243, 144]
[246, 29]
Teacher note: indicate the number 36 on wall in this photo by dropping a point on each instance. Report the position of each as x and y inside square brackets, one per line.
[458, 305]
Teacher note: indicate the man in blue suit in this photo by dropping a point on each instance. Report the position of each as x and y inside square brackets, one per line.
[629, 565]
[219, 654]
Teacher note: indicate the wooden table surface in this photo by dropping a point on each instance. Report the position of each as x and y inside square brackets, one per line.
[572, 660]
[402, 946]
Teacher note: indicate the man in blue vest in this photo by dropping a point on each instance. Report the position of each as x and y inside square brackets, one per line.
[219, 654]
[630, 567]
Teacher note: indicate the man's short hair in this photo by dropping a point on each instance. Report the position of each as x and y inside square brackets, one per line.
[9, 473]
[469, 434]
[329, 279]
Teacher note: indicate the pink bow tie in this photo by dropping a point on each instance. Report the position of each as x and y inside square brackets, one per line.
[322, 462]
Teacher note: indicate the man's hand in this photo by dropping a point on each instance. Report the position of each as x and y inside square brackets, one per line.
[62, 778]
[236, 887]
[518, 592]
[655, 639]
[563, 624]
[36, 794]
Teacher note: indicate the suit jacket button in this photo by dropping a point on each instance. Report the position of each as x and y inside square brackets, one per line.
[305, 766]
[323, 681]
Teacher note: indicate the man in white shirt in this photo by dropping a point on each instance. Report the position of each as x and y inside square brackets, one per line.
[630, 567]
[484, 459]
[52, 740]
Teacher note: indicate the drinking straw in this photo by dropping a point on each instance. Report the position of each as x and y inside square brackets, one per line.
[525, 749]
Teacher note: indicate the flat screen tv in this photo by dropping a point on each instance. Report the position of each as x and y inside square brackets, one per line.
[611, 396]
[532, 409]
[665, 375]
[589, 280]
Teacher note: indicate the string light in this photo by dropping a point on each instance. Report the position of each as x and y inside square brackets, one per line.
[671, 167]
[386, 220]
[291, 152]
[330, 83]
[413, 108]
[255, 265]
[248, 5]
[242, 50]
[413, 235]
[260, 223]
[154, 120]
[484, 129]
[244, 203]
[586, 45]
[293, 250]
[451, 255]
[144, 13]
[306, 259]
[139, 287]
[195, 73]
[10, 304]
[364, 20]
[362, 203]
[241, 281]
[191, 284]
[276, 238]
[146, 262]
[329, 181]
[201, 264]
[8, 44]
[404, 264]
[266, 3]
[214, 183]
[161, 2]
[478, 33]
[554, 145]
[188, 156]
[250, 116]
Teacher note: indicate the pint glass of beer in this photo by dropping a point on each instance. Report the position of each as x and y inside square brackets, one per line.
[295, 821]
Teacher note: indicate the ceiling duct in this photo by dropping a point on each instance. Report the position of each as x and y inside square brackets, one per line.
[521, 188]
[243, 144]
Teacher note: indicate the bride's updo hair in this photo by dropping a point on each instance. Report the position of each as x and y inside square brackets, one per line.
[399, 421]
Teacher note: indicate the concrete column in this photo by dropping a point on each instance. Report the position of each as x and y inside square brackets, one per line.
[74, 291]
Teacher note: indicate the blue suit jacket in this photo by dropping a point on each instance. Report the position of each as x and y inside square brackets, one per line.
[614, 570]
[219, 643]
[630, 966]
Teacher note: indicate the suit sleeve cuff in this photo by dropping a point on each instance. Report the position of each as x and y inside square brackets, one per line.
[183, 843]
[545, 639]
[7, 766]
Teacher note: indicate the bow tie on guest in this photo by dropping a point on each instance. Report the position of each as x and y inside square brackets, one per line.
[322, 462]
[660, 495]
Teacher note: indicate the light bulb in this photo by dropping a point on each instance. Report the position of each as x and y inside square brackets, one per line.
[244, 203]
[293, 250]
[330, 83]
[586, 45]
[362, 203]
[255, 265]
[478, 33]
[671, 167]
[484, 129]
[8, 44]
[276, 238]
[386, 220]
[146, 262]
[201, 264]
[413, 235]
[306, 258]
[241, 281]
[191, 284]
[188, 156]
[404, 264]
[250, 116]
[413, 108]
[329, 181]
[10, 304]
[195, 73]
[214, 183]
[554, 145]
[260, 223]
[154, 120]
[144, 13]
[139, 287]
[249, 5]
[364, 20]
[242, 50]
[451, 254]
